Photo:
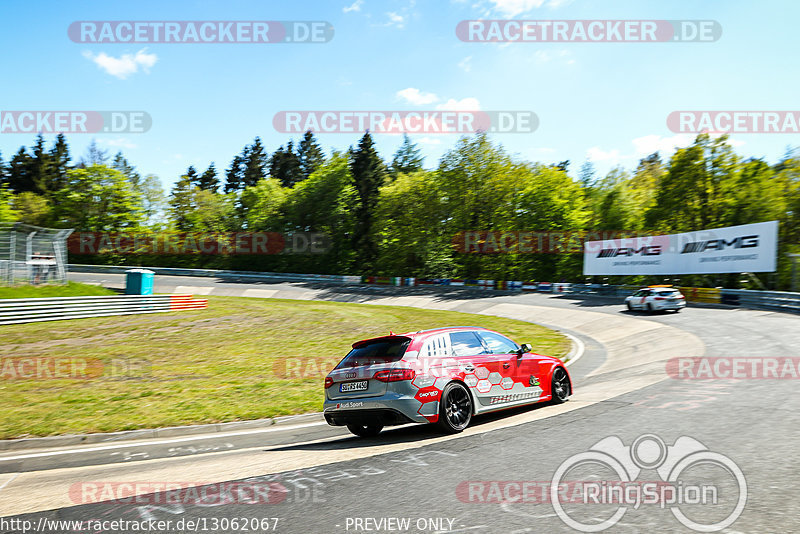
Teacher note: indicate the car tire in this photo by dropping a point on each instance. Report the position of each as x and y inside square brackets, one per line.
[455, 408]
[630, 308]
[365, 430]
[650, 308]
[560, 386]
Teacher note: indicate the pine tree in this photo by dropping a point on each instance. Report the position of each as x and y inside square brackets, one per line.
[284, 165]
[3, 172]
[20, 175]
[208, 180]
[368, 174]
[94, 155]
[309, 155]
[407, 159]
[192, 176]
[122, 165]
[59, 164]
[255, 163]
[234, 175]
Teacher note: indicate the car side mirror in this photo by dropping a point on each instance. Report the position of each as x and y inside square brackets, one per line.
[525, 347]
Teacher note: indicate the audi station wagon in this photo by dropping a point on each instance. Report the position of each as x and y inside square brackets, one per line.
[443, 376]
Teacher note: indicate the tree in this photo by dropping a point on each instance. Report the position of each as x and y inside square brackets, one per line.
[368, 174]
[20, 172]
[234, 176]
[94, 155]
[284, 166]
[407, 159]
[98, 198]
[255, 163]
[192, 176]
[587, 174]
[122, 165]
[208, 180]
[309, 155]
[152, 195]
[7, 212]
[59, 159]
[196, 210]
[31, 208]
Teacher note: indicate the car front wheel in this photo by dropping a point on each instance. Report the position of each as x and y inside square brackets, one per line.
[560, 386]
[455, 408]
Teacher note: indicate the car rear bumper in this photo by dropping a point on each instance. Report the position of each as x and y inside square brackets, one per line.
[386, 411]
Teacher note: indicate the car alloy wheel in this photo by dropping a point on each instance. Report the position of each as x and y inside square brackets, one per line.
[455, 408]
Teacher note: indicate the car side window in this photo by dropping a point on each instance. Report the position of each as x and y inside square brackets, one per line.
[466, 344]
[436, 347]
[498, 344]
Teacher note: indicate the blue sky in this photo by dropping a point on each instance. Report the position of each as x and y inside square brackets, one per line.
[607, 102]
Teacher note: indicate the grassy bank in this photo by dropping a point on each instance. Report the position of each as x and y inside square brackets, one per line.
[71, 289]
[239, 359]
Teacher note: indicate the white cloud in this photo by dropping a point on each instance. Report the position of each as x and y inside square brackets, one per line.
[465, 104]
[395, 19]
[355, 6]
[596, 154]
[648, 144]
[416, 97]
[125, 65]
[120, 142]
[466, 64]
[512, 8]
[544, 56]
[429, 141]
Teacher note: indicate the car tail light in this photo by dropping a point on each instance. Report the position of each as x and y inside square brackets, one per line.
[328, 382]
[660, 298]
[394, 375]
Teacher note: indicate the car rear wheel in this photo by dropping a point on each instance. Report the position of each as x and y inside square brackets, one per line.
[365, 430]
[455, 408]
[560, 386]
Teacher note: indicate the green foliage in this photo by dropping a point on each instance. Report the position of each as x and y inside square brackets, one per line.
[98, 198]
[7, 213]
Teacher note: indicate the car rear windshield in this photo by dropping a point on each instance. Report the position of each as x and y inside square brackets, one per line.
[376, 352]
[667, 292]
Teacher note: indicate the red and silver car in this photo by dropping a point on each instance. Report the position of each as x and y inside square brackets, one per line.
[442, 376]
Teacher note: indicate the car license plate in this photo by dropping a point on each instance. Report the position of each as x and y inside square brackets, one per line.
[347, 387]
[670, 300]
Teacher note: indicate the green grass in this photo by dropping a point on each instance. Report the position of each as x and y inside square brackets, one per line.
[71, 289]
[224, 363]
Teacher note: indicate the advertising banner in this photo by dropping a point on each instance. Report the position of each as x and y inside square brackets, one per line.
[749, 248]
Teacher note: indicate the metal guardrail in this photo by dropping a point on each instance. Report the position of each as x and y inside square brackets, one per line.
[17, 311]
[769, 300]
[218, 273]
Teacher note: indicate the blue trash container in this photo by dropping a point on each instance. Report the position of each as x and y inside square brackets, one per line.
[139, 282]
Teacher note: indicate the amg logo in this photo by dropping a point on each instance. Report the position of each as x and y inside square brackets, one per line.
[746, 241]
[653, 250]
